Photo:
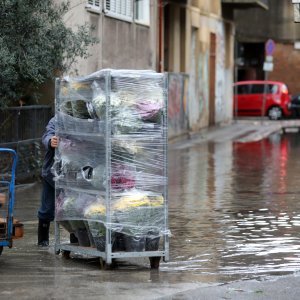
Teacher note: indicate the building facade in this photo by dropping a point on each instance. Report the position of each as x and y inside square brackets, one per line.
[126, 31]
[199, 44]
[276, 23]
[192, 40]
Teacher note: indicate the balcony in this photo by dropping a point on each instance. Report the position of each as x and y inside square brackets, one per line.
[241, 4]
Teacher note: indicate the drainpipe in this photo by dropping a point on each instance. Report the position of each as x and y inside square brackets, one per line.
[160, 35]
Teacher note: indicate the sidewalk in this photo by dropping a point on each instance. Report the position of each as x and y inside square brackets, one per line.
[242, 130]
[277, 288]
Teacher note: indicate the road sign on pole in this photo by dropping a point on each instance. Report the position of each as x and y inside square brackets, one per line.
[270, 47]
[267, 67]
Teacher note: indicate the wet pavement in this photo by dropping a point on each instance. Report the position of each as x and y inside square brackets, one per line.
[235, 207]
[234, 215]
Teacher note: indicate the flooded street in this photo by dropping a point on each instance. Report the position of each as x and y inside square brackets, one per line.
[234, 214]
[235, 209]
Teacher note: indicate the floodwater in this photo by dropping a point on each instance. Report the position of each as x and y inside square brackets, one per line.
[234, 213]
[235, 209]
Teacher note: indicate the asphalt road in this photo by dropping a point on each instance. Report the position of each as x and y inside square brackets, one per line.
[29, 272]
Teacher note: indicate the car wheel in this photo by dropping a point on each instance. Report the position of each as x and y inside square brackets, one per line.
[275, 113]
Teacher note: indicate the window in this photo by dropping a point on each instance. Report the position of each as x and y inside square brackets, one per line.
[142, 11]
[261, 89]
[243, 89]
[120, 9]
[273, 89]
[257, 89]
[93, 4]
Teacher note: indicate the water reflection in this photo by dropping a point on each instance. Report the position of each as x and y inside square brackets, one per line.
[234, 209]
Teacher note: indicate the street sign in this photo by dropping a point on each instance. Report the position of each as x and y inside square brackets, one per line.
[268, 66]
[270, 47]
[269, 58]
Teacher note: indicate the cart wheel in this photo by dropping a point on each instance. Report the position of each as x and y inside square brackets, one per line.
[66, 254]
[1, 249]
[57, 251]
[104, 265]
[154, 262]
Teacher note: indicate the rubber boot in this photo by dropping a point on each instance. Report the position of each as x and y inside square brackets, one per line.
[43, 233]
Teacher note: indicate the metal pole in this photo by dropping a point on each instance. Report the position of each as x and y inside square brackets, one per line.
[264, 98]
[235, 101]
[108, 246]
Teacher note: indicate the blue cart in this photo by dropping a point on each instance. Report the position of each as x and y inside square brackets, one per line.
[8, 163]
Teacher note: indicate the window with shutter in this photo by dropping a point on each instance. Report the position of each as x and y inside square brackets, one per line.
[94, 4]
[142, 11]
[120, 9]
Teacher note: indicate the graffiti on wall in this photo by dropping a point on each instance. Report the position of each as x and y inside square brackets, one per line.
[203, 81]
[177, 108]
[220, 92]
[198, 83]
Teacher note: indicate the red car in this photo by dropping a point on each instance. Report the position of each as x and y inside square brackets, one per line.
[249, 97]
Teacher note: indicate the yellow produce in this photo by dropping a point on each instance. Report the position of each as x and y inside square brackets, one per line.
[128, 202]
[156, 200]
[94, 211]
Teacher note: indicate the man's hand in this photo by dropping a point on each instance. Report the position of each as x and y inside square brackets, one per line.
[54, 142]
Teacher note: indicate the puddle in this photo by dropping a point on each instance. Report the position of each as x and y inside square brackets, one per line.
[235, 210]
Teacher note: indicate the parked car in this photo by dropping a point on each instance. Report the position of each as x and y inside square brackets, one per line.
[295, 106]
[251, 95]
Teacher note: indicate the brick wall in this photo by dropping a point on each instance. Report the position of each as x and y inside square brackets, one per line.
[287, 66]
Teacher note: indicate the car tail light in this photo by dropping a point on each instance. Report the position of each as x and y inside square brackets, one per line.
[277, 99]
[284, 89]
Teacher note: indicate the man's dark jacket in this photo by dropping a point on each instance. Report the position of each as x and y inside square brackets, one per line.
[49, 156]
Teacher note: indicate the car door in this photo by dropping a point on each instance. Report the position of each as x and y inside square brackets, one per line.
[256, 99]
[240, 99]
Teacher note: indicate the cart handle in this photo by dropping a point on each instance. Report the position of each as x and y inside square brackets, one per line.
[15, 159]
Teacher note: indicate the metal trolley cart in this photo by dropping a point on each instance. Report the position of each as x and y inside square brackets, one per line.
[111, 165]
[9, 228]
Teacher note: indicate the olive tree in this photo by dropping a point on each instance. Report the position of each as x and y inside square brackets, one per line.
[35, 45]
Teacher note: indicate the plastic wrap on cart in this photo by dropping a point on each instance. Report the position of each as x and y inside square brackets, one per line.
[124, 188]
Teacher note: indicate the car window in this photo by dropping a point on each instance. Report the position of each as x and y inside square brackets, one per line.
[262, 88]
[243, 89]
[273, 88]
[257, 88]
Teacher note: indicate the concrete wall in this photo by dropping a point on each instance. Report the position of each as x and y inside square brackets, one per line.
[256, 24]
[122, 45]
[201, 22]
[224, 76]
[202, 18]
[178, 106]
